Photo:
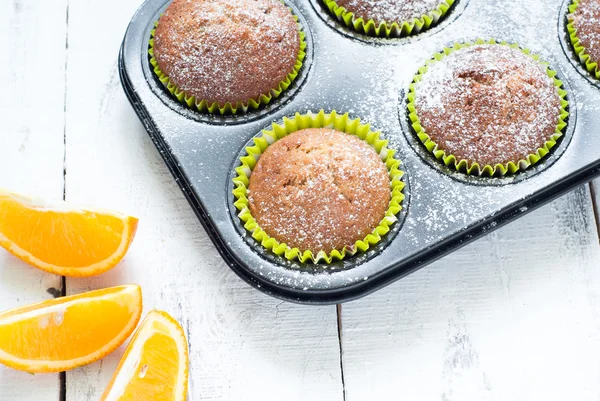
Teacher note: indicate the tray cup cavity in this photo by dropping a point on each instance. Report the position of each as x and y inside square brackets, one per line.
[228, 115]
[388, 34]
[293, 257]
[486, 175]
[566, 34]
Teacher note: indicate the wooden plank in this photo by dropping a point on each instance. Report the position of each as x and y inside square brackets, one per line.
[32, 64]
[514, 316]
[243, 345]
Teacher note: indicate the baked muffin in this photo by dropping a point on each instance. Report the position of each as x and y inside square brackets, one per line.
[488, 104]
[389, 17]
[389, 10]
[319, 189]
[227, 51]
[585, 22]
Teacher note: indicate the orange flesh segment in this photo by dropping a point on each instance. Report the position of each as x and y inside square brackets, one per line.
[154, 376]
[57, 235]
[42, 232]
[154, 363]
[67, 332]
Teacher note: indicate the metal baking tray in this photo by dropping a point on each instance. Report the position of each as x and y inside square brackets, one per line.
[368, 78]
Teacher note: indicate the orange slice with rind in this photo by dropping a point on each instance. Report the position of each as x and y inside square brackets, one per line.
[155, 364]
[62, 238]
[68, 332]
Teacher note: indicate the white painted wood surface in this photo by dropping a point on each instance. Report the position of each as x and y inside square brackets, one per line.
[32, 64]
[514, 316]
[243, 345]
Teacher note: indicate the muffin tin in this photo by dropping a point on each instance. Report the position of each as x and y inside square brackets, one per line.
[369, 79]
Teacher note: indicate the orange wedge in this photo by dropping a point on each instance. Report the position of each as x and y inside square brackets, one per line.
[61, 238]
[155, 364]
[68, 332]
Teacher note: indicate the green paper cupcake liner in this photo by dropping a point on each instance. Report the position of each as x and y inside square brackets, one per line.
[229, 108]
[331, 120]
[463, 166]
[388, 29]
[592, 66]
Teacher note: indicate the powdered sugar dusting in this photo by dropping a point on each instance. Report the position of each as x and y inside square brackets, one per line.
[227, 50]
[488, 104]
[367, 81]
[390, 10]
[586, 20]
[319, 189]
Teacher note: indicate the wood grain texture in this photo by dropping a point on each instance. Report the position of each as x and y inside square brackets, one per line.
[32, 63]
[513, 316]
[243, 345]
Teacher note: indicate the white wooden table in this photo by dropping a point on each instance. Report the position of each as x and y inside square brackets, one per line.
[514, 316]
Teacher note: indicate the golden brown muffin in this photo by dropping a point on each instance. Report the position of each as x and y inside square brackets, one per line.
[488, 104]
[389, 11]
[586, 20]
[227, 51]
[319, 190]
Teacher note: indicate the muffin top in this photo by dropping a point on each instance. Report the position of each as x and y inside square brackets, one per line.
[586, 19]
[319, 189]
[488, 104]
[389, 10]
[227, 50]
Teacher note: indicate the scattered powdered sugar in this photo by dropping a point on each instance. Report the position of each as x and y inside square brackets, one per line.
[227, 50]
[390, 10]
[365, 80]
[488, 104]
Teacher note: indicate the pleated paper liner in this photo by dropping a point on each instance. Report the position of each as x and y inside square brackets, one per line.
[298, 122]
[389, 29]
[463, 166]
[228, 108]
[592, 66]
